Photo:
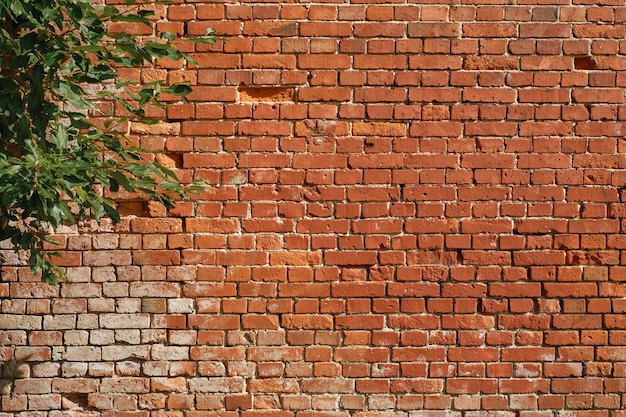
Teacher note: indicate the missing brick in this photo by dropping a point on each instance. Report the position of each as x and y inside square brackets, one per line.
[266, 94]
[585, 63]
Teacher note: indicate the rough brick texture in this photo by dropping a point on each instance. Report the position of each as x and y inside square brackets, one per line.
[414, 209]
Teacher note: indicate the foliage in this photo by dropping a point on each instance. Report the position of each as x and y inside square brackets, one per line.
[55, 161]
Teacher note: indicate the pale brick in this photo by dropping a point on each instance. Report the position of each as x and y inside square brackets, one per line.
[13, 321]
[154, 336]
[59, 322]
[100, 401]
[79, 242]
[169, 353]
[180, 306]
[76, 337]
[125, 321]
[72, 370]
[125, 385]
[216, 384]
[154, 289]
[156, 368]
[14, 306]
[130, 241]
[87, 321]
[128, 368]
[78, 274]
[82, 354]
[118, 353]
[81, 290]
[101, 337]
[434, 413]
[183, 337]
[12, 337]
[115, 289]
[129, 336]
[46, 370]
[108, 241]
[103, 274]
[128, 305]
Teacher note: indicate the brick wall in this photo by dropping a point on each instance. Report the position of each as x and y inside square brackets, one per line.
[414, 210]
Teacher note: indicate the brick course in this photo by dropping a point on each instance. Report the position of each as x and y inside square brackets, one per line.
[413, 209]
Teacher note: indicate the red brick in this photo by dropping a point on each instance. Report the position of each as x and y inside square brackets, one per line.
[408, 207]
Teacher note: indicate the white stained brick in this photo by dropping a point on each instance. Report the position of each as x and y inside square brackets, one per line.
[490, 413]
[154, 336]
[78, 274]
[125, 321]
[216, 384]
[128, 305]
[46, 370]
[118, 353]
[183, 337]
[87, 321]
[156, 368]
[108, 241]
[76, 338]
[14, 321]
[102, 337]
[381, 402]
[12, 337]
[170, 353]
[81, 290]
[131, 336]
[125, 385]
[154, 289]
[435, 413]
[59, 322]
[115, 289]
[14, 306]
[73, 369]
[82, 354]
[103, 274]
[180, 306]
[128, 368]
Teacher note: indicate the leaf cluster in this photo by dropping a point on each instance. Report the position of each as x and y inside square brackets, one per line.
[55, 161]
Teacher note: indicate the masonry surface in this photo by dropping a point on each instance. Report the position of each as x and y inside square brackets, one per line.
[413, 210]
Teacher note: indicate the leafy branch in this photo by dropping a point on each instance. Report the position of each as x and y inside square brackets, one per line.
[55, 159]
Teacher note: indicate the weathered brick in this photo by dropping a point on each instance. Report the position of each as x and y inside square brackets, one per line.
[409, 208]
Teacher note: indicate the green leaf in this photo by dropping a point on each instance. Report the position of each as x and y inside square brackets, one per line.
[136, 18]
[178, 90]
[60, 137]
[60, 61]
[122, 180]
[74, 95]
